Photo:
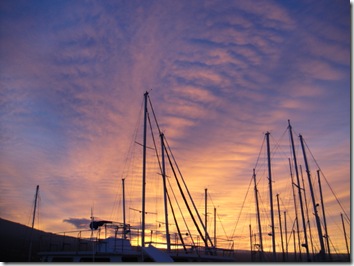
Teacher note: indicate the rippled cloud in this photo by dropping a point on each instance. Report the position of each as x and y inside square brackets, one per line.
[220, 74]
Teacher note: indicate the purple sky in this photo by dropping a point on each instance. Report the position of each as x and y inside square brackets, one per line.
[221, 74]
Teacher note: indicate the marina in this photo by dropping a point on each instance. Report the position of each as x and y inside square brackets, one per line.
[113, 241]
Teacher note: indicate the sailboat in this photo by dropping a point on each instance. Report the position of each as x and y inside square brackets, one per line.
[117, 244]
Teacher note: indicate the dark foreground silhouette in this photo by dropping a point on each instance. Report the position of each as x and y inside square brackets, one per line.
[15, 243]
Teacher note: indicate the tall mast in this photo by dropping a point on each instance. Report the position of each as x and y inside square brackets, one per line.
[300, 194]
[271, 197]
[35, 206]
[295, 245]
[168, 242]
[345, 236]
[214, 227]
[144, 175]
[206, 216]
[258, 214]
[286, 237]
[318, 223]
[33, 219]
[281, 229]
[307, 210]
[324, 215]
[251, 244]
[124, 225]
[295, 207]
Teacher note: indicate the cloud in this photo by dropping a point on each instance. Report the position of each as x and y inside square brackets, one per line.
[222, 74]
[316, 69]
[312, 42]
[79, 223]
[268, 13]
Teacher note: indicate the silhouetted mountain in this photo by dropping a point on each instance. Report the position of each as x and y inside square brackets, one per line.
[15, 242]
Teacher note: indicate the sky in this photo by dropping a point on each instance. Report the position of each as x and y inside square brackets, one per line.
[220, 74]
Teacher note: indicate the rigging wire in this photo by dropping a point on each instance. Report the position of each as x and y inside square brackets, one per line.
[190, 197]
[153, 112]
[153, 139]
[176, 223]
[218, 217]
[348, 219]
[129, 159]
[168, 151]
[180, 210]
[258, 180]
[277, 145]
[259, 154]
[262, 166]
[183, 196]
[167, 179]
[243, 204]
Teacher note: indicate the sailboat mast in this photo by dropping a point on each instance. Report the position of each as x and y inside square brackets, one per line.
[168, 242]
[295, 245]
[33, 219]
[318, 223]
[206, 216]
[251, 244]
[324, 215]
[144, 174]
[124, 225]
[296, 212]
[214, 227]
[281, 229]
[35, 206]
[300, 194]
[258, 214]
[345, 236]
[307, 211]
[286, 237]
[271, 197]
